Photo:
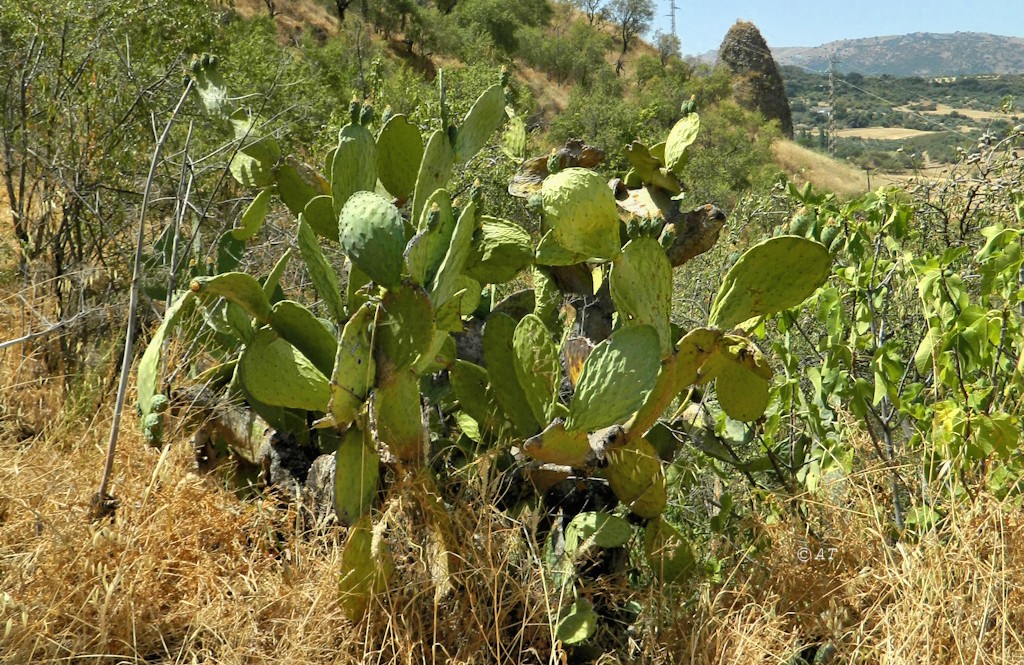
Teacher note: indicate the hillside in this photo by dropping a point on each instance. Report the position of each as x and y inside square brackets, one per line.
[917, 54]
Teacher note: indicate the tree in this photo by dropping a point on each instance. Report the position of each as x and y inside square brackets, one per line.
[633, 18]
[668, 46]
[593, 9]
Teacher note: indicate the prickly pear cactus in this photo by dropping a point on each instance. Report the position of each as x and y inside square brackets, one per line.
[557, 446]
[356, 470]
[669, 554]
[435, 169]
[480, 122]
[366, 568]
[499, 356]
[355, 369]
[636, 476]
[275, 373]
[373, 236]
[616, 379]
[682, 136]
[579, 209]
[537, 365]
[399, 153]
[771, 276]
[641, 288]
[500, 251]
[354, 167]
[742, 378]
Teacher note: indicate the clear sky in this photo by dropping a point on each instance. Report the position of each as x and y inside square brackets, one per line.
[702, 24]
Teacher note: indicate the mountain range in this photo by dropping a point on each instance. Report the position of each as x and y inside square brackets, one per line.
[916, 54]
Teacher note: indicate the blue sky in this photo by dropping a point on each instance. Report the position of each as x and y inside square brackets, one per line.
[703, 23]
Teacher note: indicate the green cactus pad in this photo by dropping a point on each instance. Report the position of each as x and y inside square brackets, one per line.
[252, 218]
[635, 474]
[482, 120]
[399, 153]
[670, 556]
[500, 359]
[694, 349]
[355, 294]
[276, 373]
[771, 276]
[319, 212]
[550, 253]
[149, 366]
[446, 280]
[500, 250]
[435, 169]
[427, 249]
[677, 147]
[577, 622]
[297, 184]
[366, 567]
[547, 298]
[213, 91]
[355, 369]
[649, 170]
[579, 209]
[320, 271]
[251, 172]
[239, 288]
[601, 529]
[537, 365]
[472, 294]
[372, 233]
[742, 378]
[354, 168]
[399, 417]
[557, 446]
[272, 284]
[641, 288]
[405, 328]
[471, 384]
[513, 142]
[356, 470]
[297, 325]
[616, 379]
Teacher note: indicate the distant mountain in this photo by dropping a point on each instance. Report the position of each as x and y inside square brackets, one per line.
[916, 54]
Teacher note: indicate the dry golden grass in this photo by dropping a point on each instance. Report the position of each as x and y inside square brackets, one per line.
[946, 109]
[884, 133]
[803, 165]
[189, 573]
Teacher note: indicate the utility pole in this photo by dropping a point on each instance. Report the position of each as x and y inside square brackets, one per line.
[833, 62]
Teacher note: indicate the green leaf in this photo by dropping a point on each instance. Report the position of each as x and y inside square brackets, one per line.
[616, 379]
[773, 275]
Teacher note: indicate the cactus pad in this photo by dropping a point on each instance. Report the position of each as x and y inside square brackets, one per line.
[320, 271]
[499, 356]
[355, 369]
[771, 276]
[635, 474]
[239, 288]
[297, 325]
[405, 328]
[641, 288]
[436, 167]
[372, 233]
[398, 417]
[480, 122]
[557, 446]
[366, 567]
[252, 218]
[399, 153]
[670, 556]
[298, 183]
[677, 146]
[579, 209]
[319, 212]
[276, 373]
[500, 249]
[354, 168]
[616, 379]
[537, 365]
[356, 469]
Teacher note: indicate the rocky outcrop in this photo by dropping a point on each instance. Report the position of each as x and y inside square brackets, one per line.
[757, 84]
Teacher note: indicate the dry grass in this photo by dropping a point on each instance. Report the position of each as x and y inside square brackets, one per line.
[946, 109]
[803, 165]
[189, 573]
[883, 133]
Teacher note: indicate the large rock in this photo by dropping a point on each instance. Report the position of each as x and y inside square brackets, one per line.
[757, 84]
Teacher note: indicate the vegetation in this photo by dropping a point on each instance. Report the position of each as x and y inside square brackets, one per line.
[430, 377]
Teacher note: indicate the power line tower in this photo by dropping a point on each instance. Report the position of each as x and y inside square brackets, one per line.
[672, 9]
[833, 63]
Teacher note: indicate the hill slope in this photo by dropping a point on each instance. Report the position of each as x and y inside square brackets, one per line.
[916, 54]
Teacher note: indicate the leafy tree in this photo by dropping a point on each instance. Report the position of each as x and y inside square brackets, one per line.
[593, 9]
[668, 46]
[633, 18]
